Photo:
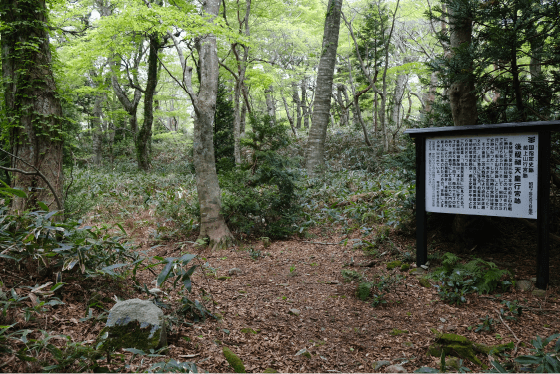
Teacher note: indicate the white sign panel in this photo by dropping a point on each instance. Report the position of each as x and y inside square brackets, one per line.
[490, 175]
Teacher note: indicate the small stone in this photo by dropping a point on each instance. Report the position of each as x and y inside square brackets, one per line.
[295, 312]
[379, 364]
[452, 362]
[408, 345]
[395, 369]
[537, 292]
[442, 319]
[425, 267]
[524, 285]
[451, 328]
[418, 271]
[235, 271]
[534, 279]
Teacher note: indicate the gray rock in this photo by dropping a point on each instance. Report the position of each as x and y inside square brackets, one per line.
[537, 292]
[417, 271]
[450, 328]
[133, 323]
[295, 312]
[524, 285]
[395, 369]
[379, 364]
[534, 279]
[235, 271]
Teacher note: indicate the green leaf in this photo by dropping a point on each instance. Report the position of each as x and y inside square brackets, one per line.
[14, 192]
[166, 272]
[43, 206]
[57, 286]
[528, 360]
[134, 351]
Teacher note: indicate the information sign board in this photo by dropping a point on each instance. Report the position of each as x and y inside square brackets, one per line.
[491, 175]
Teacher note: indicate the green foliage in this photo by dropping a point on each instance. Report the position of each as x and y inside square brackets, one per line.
[457, 279]
[259, 197]
[223, 131]
[540, 361]
[363, 291]
[487, 325]
[63, 246]
[350, 275]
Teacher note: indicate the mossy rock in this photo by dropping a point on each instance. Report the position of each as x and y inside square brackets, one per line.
[234, 360]
[393, 264]
[397, 332]
[223, 278]
[458, 346]
[133, 323]
[424, 283]
[405, 267]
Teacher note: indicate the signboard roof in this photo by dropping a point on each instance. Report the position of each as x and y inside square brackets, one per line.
[513, 127]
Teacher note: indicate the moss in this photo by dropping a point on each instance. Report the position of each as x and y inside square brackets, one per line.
[234, 360]
[223, 278]
[405, 267]
[249, 331]
[458, 346]
[393, 264]
[130, 335]
[425, 283]
[396, 332]
[270, 370]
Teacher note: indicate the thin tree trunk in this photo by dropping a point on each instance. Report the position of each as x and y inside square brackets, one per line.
[144, 138]
[270, 107]
[304, 105]
[296, 99]
[322, 103]
[33, 113]
[289, 115]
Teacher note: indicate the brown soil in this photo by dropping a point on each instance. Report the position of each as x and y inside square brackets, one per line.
[341, 332]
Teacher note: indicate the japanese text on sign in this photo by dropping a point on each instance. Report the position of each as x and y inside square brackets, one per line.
[483, 175]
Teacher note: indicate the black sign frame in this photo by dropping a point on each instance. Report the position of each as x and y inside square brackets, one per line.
[543, 128]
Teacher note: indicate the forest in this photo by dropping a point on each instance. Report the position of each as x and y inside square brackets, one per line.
[241, 168]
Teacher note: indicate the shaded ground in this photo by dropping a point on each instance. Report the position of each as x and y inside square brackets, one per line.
[342, 333]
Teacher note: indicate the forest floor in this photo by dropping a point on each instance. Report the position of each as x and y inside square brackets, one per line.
[291, 295]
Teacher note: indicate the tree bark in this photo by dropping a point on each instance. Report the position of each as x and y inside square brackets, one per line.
[33, 113]
[461, 92]
[322, 102]
[144, 138]
[270, 107]
[296, 99]
[304, 106]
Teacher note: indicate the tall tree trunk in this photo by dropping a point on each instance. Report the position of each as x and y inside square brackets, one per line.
[322, 102]
[32, 109]
[243, 119]
[461, 92]
[144, 138]
[97, 131]
[212, 224]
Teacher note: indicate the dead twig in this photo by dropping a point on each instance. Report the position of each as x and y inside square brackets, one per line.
[510, 330]
[305, 241]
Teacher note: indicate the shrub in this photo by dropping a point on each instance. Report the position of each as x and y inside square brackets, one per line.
[259, 197]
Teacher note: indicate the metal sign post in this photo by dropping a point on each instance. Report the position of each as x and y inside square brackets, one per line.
[500, 170]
